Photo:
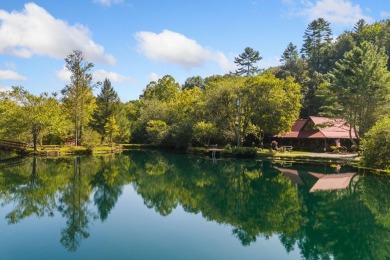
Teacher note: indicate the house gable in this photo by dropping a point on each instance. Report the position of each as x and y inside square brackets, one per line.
[319, 127]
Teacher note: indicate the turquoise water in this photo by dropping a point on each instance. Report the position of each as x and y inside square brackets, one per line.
[151, 205]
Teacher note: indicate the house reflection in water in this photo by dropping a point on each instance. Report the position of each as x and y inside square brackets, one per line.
[318, 181]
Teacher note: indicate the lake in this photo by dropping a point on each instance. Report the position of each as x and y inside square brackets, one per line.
[152, 205]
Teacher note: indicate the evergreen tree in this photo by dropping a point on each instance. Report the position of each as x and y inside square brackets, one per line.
[361, 83]
[192, 82]
[107, 106]
[77, 96]
[317, 45]
[246, 62]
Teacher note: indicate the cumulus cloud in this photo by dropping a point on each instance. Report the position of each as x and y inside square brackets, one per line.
[64, 74]
[154, 76]
[175, 48]
[108, 2]
[340, 12]
[34, 31]
[11, 75]
[98, 75]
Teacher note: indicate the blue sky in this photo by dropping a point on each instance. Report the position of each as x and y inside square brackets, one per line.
[132, 42]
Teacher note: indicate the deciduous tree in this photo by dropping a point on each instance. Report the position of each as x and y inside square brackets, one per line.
[36, 115]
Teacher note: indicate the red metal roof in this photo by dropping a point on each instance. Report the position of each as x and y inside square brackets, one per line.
[333, 128]
[299, 125]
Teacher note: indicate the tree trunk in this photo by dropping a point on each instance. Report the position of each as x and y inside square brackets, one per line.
[35, 141]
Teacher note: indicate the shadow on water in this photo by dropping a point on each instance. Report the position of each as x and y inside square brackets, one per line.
[347, 215]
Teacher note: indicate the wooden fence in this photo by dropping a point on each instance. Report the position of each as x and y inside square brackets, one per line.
[12, 146]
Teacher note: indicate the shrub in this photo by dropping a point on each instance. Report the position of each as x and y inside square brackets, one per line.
[90, 139]
[376, 146]
[244, 152]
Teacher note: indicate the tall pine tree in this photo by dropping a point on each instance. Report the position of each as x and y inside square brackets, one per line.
[108, 104]
[77, 96]
[246, 62]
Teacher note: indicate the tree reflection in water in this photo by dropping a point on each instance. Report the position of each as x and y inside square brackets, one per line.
[252, 197]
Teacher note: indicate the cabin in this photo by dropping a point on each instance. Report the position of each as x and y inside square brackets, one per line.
[320, 134]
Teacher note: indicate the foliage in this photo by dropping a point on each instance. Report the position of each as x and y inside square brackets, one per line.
[163, 90]
[90, 139]
[32, 116]
[192, 82]
[156, 130]
[111, 129]
[244, 152]
[204, 132]
[361, 84]
[246, 62]
[78, 98]
[376, 146]
[317, 45]
[107, 106]
[223, 104]
[275, 103]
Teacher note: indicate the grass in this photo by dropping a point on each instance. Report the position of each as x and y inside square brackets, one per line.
[61, 150]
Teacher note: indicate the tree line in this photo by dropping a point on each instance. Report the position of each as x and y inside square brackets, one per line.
[347, 77]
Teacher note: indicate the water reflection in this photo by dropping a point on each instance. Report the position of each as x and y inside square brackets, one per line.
[256, 199]
[333, 177]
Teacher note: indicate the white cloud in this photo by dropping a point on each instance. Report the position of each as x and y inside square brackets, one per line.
[269, 62]
[4, 88]
[108, 2]
[35, 32]
[64, 74]
[338, 12]
[385, 14]
[11, 75]
[154, 76]
[101, 75]
[175, 48]
[97, 75]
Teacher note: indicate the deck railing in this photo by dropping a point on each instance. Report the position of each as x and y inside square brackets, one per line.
[12, 145]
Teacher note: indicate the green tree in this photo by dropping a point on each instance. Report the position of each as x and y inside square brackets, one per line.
[77, 96]
[317, 43]
[192, 82]
[107, 105]
[361, 83]
[124, 119]
[275, 102]
[111, 129]
[204, 132]
[376, 145]
[225, 105]
[295, 66]
[36, 115]
[156, 130]
[246, 62]
[377, 33]
[163, 90]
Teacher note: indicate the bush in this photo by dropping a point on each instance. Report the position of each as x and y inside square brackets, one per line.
[197, 150]
[376, 146]
[244, 152]
[90, 139]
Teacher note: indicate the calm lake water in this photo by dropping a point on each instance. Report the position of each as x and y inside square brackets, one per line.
[151, 205]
